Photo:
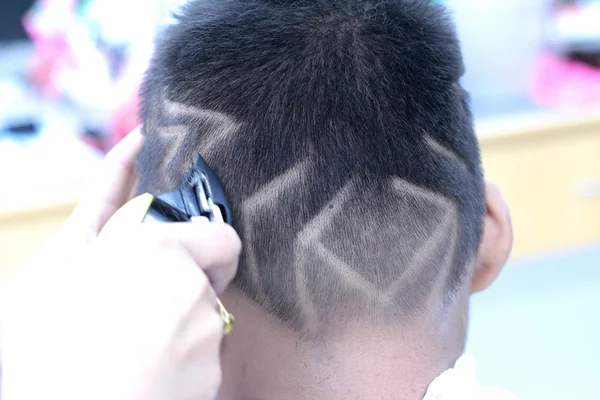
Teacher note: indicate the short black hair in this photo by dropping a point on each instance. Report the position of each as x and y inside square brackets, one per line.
[344, 142]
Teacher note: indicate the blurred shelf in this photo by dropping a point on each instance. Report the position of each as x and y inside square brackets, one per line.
[548, 167]
[42, 177]
[541, 122]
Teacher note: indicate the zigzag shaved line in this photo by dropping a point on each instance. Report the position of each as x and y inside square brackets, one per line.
[446, 268]
[444, 151]
[347, 273]
[172, 131]
[224, 125]
[418, 260]
[221, 134]
[266, 196]
[167, 134]
[309, 237]
[308, 310]
[177, 109]
[403, 186]
[315, 226]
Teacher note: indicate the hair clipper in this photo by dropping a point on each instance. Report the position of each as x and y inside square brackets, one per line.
[200, 195]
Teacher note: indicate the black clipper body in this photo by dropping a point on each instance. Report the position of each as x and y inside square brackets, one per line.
[200, 195]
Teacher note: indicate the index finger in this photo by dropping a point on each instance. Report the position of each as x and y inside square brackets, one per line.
[214, 248]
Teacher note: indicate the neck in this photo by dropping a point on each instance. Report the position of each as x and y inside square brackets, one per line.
[262, 360]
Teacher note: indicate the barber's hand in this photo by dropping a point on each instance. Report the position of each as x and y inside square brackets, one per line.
[130, 314]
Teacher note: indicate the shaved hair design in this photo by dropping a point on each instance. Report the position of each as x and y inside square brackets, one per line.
[344, 142]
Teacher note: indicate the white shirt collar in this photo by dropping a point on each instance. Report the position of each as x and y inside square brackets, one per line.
[459, 383]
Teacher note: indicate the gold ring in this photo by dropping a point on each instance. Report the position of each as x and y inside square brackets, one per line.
[228, 319]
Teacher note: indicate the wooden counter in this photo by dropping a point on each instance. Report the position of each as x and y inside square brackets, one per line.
[25, 225]
[549, 170]
[547, 166]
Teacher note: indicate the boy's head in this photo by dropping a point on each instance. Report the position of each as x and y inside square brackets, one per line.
[346, 149]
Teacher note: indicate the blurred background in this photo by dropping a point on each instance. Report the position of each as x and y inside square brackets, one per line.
[69, 75]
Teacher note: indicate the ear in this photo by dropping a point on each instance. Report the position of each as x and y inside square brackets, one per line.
[497, 239]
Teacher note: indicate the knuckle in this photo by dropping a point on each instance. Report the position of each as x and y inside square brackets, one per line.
[167, 243]
[232, 245]
[235, 239]
[231, 273]
[204, 287]
[160, 245]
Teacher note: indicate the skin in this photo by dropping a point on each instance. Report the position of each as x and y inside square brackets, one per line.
[128, 313]
[262, 360]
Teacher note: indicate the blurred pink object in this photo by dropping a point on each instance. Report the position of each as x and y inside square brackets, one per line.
[52, 53]
[90, 56]
[565, 85]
